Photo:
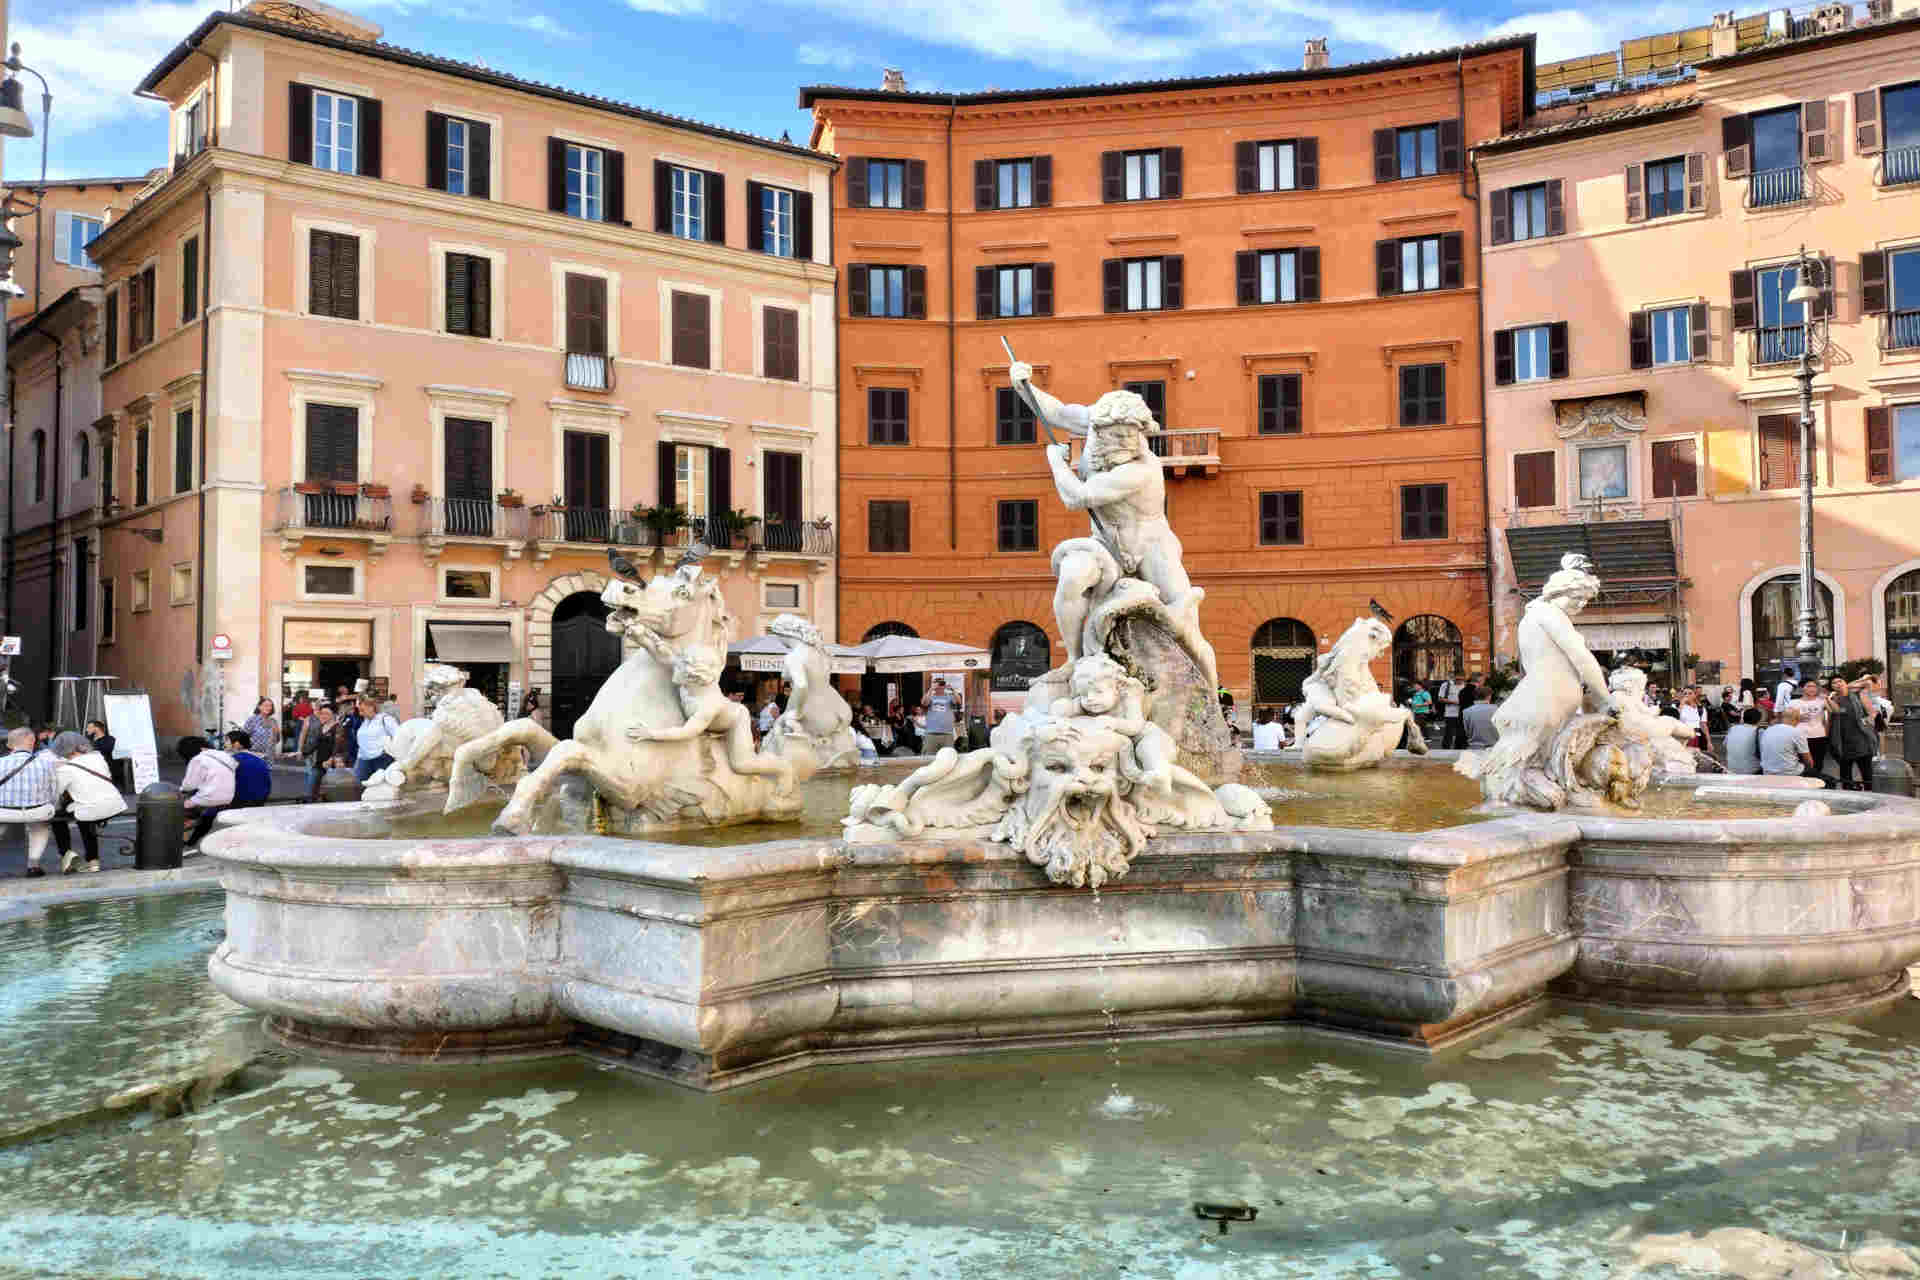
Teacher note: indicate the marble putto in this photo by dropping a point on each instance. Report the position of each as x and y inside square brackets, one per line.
[1343, 720]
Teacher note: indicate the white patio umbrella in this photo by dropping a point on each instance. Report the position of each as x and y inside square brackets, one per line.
[764, 653]
[890, 655]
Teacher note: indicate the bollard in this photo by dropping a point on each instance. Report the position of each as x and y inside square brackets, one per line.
[1893, 776]
[1910, 735]
[158, 828]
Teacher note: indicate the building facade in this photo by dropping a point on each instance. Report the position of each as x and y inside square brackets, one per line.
[402, 347]
[66, 216]
[1283, 265]
[1642, 399]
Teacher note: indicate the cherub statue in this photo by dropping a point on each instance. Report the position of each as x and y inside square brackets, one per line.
[1100, 688]
[696, 677]
[1665, 734]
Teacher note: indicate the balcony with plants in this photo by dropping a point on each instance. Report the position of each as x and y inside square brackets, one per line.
[334, 509]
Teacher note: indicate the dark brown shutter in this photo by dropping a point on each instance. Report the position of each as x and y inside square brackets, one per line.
[1290, 402]
[480, 294]
[1556, 208]
[557, 175]
[857, 182]
[1866, 122]
[469, 459]
[614, 208]
[1043, 288]
[1113, 176]
[1246, 277]
[1736, 140]
[1500, 215]
[1696, 181]
[756, 219]
[1042, 181]
[789, 342]
[857, 289]
[1813, 131]
[1873, 282]
[1450, 147]
[1639, 340]
[691, 330]
[1558, 356]
[1740, 291]
[320, 298]
[770, 343]
[781, 487]
[1533, 479]
[1452, 270]
[1826, 289]
[459, 298]
[1173, 270]
[480, 160]
[112, 336]
[1246, 167]
[719, 480]
[984, 281]
[716, 208]
[985, 196]
[1386, 258]
[1170, 173]
[369, 137]
[1779, 450]
[665, 456]
[802, 226]
[1306, 164]
[300, 123]
[586, 315]
[1307, 266]
[437, 151]
[1113, 283]
[1699, 340]
[333, 443]
[917, 293]
[1502, 357]
[916, 196]
[346, 277]
[1879, 445]
[189, 279]
[1636, 193]
[663, 197]
[1676, 474]
[1385, 161]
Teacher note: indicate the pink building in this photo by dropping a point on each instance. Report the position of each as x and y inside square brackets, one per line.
[1642, 403]
[403, 346]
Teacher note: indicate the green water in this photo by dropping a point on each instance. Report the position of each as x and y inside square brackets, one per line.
[1575, 1146]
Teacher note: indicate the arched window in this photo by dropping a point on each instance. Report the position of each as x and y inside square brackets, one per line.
[877, 690]
[878, 630]
[1283, 656]
[1427, 647]
[1903, 639]
[1776, 610]
[82, 457]
[1021, 655]
[39, 466]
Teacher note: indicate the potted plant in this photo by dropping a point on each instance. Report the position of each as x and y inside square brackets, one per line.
[736, 523]
[664, 521]
[510, 498]
[419, 495]
[309, 487]
[375, 491]
[345, 488]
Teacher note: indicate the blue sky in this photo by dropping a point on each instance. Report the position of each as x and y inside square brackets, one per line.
[739, 64]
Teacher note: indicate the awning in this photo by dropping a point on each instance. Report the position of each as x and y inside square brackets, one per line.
[471, 641]
[1625, 635]
[890, 655]
[765, 653]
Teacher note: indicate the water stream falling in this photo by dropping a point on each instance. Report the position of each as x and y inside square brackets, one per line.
[1116, 1102]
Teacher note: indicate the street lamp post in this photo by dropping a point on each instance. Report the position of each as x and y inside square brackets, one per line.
[14, 64]
[1807, 293]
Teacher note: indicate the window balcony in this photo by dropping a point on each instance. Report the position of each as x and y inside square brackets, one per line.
[562, 528]
[1900, 331]
[588, 371]
[794, 538]
[1780, 344]
[471, 522]
[1899, 166]
[335, 510]
[1181, 450]
[1771, 188]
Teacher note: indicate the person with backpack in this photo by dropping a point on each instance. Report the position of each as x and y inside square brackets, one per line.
[252, 775]
[84, 781]
[372, 737]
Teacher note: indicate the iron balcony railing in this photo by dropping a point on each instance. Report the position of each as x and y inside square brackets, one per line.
[328, 508]
[589, 524]
[1900, 165]
[1900, 331]
[471, 518]
[795, 537]
[589, 371]
[1770, 187]
[1779, 344]
[1595, 511]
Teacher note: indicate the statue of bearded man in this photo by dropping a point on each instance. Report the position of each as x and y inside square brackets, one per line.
[1118, 482]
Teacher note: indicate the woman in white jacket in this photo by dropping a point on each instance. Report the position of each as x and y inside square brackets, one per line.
[84, 782]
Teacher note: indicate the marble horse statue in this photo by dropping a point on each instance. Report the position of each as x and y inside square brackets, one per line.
[661, 747]
[816, 730]
[423, 749]
[1344, 721]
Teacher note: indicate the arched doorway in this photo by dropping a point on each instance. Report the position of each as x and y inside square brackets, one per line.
[1427, 647]
[908, 686]
[1021, 655]
[1776, 612]
[1283, 657]
[1903, 639]
[585, 653]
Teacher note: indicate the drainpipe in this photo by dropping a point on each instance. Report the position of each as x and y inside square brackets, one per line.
[953, 371]
[1480, 350]
[206, 334]
[56, 649]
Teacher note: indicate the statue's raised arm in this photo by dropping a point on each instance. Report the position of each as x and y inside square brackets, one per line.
[1070, 418]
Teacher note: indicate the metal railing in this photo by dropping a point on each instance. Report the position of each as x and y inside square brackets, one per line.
[1770, 187]
[328, 509]
[1779, 344]
[1175, 446]
[589, 524]
[1900, 331]
[471, 518]
[798, 537]
[587, 371]
[1900, 165]
[1595, 511]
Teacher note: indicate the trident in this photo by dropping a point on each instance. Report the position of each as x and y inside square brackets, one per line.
[1099, 529]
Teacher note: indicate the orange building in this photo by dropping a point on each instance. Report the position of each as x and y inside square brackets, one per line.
[1285, 265]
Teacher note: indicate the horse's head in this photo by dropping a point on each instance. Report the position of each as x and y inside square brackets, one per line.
[677, 605]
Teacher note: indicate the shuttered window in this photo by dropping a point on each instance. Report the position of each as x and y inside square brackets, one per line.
[333, 275]
[780, 338]
[1279, 404]
[107, 461]
[781, 490]
[469, 295]
[586, 315]
[1423, 511]
[139, 310]
[1144, 284]
[1779, 451]
[889, 526]
[1531, 212]
[1423, 395]
[1418, 264]
[779, 221]
[692, 330]
[1281, 524]
[877, 183]
[112, 336]
[469, 459]
[585, 480]
[1023, 183]
[1276, 275]
[1153, 174]
[1416, 151]
[459, 156]
[334, 131]
[1154, 392]
[1013, 420]
[1533, 479]
[182, 450]
[190, 279]
[142, 459]
[1021, 289]
[1676, 469]
[1019, 525]
[887, 291]
[1283, 164]
[886, 415]
[333, 443]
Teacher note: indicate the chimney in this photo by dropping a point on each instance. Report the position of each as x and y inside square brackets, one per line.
[1316, 59]
[1724, 39]
[892, 80]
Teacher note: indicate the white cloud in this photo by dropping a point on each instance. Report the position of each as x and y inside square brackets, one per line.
[93, 74]
[672, 8]
[827, 55]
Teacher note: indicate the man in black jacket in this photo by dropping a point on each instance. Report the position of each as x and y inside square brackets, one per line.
[321, 748]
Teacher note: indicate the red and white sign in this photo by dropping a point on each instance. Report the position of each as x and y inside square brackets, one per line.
[222, 646]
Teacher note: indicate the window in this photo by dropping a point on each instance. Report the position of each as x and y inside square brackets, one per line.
[1890, 287]
[1019, 525]
[1893, 443]
[1279, 404]
[72, 233]
[887, 291]
[1529, 211]
[689, 194]
[459, 156]
[190, 279]
[1283, 165]
[39, 466]
[1906, 442]
[469, 295]
[336, 140]
[1669, 333]
[140, 598]
[1140, 175]
[1666, 184]
[1154, 392]
[107, 611]
[1013, 420]
[1416, 151]
[467, 454]
[1013, 184]
[886, 415]
[1423, 395]
[111, 338]
[333, 275]
[1023, 289]
[459, 159]
[83, 457]
[180, 584]
[333, 443]
[1899, 113]
[780, 338]
[588, 365]
[329, 580]
[106, 467]
[586, 484]
[782, 503]
[139, 310]
[142, 440]
[781, 595]
[886, 184]
[193, 128]
[1143, 284]
[692, 330]
[691, 465]
[776, 222]
[1676, 470]
[1277, 275]
[889, 527]
[1776, 612]
[182, 450]
[1530, 354]
[1779, 450]
[1280, 519]
[1418, 264]
[1603, 473]
[1423, 511]
[585, 182]
[1533, 479]
[1782, 324]
[1778, 177]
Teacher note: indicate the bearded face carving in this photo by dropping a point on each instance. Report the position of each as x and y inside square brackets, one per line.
[1073, 816]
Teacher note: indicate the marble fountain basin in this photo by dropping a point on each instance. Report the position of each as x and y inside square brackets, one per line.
[715, 966]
